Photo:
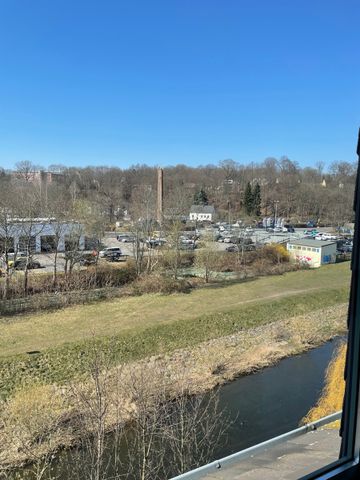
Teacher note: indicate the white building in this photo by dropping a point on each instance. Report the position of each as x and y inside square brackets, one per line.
[312, 252]
[42, 235]
[202, 213]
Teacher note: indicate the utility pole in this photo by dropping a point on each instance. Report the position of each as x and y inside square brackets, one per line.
[160, 195]
[276, 204]
[229, 205]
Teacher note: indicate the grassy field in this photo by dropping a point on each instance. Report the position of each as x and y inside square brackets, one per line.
[133, 315]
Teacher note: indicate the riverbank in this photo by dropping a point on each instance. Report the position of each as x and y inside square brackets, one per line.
[51, 413]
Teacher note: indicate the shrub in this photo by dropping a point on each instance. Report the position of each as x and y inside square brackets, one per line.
[159, 284]
[275, 253]
[91, 278]
[35, 411]
[186, 259]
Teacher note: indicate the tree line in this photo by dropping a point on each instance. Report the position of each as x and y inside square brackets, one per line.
[251, 190]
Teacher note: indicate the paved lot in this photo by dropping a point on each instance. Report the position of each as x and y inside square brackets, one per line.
[259, 236]
[47, 259]
[289, 460]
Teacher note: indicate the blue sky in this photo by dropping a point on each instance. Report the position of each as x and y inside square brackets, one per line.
[163, 82]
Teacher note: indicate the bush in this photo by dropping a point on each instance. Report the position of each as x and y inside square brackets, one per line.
[159, 284]
[91, 278]
[186, 260]
[275, 253]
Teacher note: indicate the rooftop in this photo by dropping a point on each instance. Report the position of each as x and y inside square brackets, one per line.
[288, 456]
[312, 243]
[290, 460]
[202, 209]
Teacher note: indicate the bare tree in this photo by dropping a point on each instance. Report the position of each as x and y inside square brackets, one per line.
[8, 234]
[26, 170]
[206, 258]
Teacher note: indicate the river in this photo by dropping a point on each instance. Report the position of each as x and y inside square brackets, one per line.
[274, 400]
[262, 405]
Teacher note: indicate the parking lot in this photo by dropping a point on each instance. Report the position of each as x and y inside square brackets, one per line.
[258, 236]
[47, 259]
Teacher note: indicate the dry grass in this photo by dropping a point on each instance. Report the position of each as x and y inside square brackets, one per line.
[46, 330]
[331, 399]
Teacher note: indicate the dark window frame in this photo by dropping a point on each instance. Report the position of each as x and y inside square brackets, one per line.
[348, 466]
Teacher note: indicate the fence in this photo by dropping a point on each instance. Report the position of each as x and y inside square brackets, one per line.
[55, 300]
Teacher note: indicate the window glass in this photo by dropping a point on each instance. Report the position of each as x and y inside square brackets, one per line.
[141, 337]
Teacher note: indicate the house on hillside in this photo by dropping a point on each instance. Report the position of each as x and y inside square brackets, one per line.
[312, 252]
[202, 213]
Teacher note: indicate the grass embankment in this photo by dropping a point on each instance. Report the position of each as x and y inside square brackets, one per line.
[46, 330]
[41, 418]
[136, 328]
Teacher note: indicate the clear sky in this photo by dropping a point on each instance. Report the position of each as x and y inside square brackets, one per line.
[115, 82]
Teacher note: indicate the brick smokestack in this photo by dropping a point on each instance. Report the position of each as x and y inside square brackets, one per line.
[160, 194]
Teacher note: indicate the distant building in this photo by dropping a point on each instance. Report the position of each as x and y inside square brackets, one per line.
[202, 213]
[39, 176]
[42, 235]
[312, 252]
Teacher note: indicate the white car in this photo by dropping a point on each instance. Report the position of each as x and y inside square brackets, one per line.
[12, 255]
[110, 251]
[186, 241]
[325, 236]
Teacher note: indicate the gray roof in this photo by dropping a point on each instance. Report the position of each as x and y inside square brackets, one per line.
[312, 243]
[202, 209]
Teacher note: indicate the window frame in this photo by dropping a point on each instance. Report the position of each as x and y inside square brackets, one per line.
[348, 467]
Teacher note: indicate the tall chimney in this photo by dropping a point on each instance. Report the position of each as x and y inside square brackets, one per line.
[160, 194]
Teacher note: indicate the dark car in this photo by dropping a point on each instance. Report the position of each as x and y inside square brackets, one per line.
[88, 259]
[20, 264]
[113, 257]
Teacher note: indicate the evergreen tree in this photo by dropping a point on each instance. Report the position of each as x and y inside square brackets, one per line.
[201, 198]
[248, 199]
[256, 200]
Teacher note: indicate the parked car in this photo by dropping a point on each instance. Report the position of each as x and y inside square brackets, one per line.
[12, 255]
[344, 249]
[126, 238]
[325, 236]
[109, 251]
[187, 246]
[155, 242]
[87, 259]
[186, 240]
[246, 247]
[311, 232]
[113, 257]
[289, 228]
[20, 264]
